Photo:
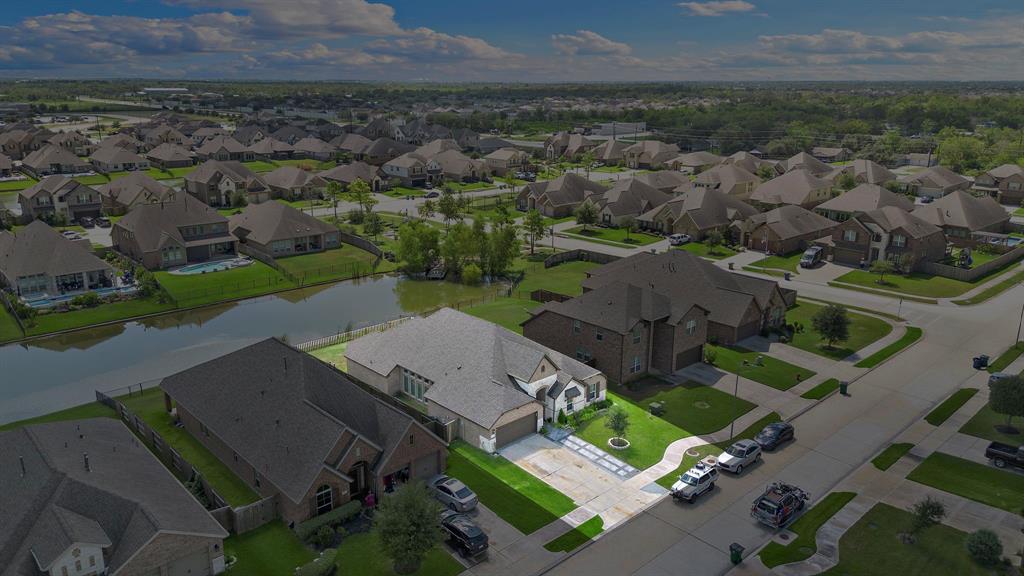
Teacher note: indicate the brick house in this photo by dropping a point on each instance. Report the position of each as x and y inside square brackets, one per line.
[277, 230]
[215, 183]
[887, 233]
[557, 198]
[1006, 182]
[291, 426]
[960, 214]
[784, 230]
[168, 234]
[59, 197]
[696, 212]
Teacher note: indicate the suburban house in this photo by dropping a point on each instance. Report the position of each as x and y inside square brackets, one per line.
[249, 134]
[271, 149]
[410, 170]
[696, 212]
[74, 142]
[293, 427]
[18, 143]
[166, 133]
[457, 167]
[798, 187]
[610, 152]
[652, 313]
[860, 199]
[293, 183]
[382, 150]
[122, 194]
[346, 174]
[804, 161]
[52, 159]
[435, 147]
[887, 233]
[918, 159]
[289, 134]
[59, 197]
[936, 182]
[694, 162]
[350, 143]
[278, 230]
[115, 159]
[6, 166]
[85, 497]
[123, 140]
[568, 145]
[831, 154]
[784, 230]
[502, 161]
[167, 156]
[313, 147]
[224, 148]
[863, 172]
[649, 154]
[667, 181]
[729, 179]
[626, 200]
[38, 261]
[557, 198]
[751, 162]
[1005, 182]
[487, 145]
[381, 127]
[495, 384]
[170, 234]
[216, 183]
[961, 214]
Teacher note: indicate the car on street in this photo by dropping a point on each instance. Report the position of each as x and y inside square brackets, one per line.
[740, 455]
[812, 257]
[926, 199]
[774, 434]
[1002, 455]
[679, 239]
[453, 493]
[432, 194]
[779, 504]
[463, 534]
[694, 482]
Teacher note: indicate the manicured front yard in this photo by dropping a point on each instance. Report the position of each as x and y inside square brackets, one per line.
[615, 235]
[943, 411]
[331, 265]
[864, 330]
[1006, 358]
[517, 496]
[787, 263]
[201, 289]
[806, 527]
[978, 482]
[565, 278]
[703, 250]
[361, 555]
[912, 334]
[773, 372]
[403, 191]
[891, 455]
[648, 434]
[575, 538]
[872, 547]
[149, 406]
[983, 425]
[507, 312]
[695, 408]
[270, 550]
[925, 285]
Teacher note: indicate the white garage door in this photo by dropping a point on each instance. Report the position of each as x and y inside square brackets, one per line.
[197, 564]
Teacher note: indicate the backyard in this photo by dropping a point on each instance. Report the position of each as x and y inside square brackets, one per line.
[612, 235]
[507, 312]
[772, 372]
[9, 330]
[333, 354]
[564, 278]
[106, 312]
[269, 550]
[333, 265]
[201, 289]
[82, 411]
[864, 330]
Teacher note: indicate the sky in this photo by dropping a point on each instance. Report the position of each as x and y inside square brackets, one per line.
[521, 41]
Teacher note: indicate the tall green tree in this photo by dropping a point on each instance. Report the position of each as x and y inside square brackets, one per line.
[449, 207]
[832, 323]
[418, 246]
[535, 228]
[926, 513]
[406, 526]
[617, 421]
[1006, 397]
[587, 159]
[586, 214]
[360, 192]
[333, 193]
[427, 209]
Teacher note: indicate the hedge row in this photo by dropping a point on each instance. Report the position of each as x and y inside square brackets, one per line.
[333, 519]
[322, 566]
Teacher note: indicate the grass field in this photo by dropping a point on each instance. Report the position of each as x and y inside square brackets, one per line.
[9, 329]
[786, 263]
[913, 334]
[821, 390]
[705, 251]
[507, 312]
[612, 235]
[943, 411]
[269, 550]
[806, 527]
[983, 425]
[879, 292]
[886, 458]
[776, 373]
[575, 538]
[201, 289]
[916, 284]
[565, 278]
[330, 265]
[333, 354]
[110, 312]
[361, 555]
[260, 166]
[978, 482]
[864, 330]
[17, 185]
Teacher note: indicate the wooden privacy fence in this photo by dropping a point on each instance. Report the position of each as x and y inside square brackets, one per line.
[971, 274]
[579, 254]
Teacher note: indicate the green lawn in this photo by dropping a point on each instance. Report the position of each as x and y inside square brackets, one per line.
[333, 354]
[202, 289]
[856, 308]
[307, 163]
[864, 330]
[576, 537]
[992, 291]
[648, 435]
[17, 185]
[983, 425]
[469, 186]
[787, 263]
[943, 411]
[978, 482]
[891, 455]
[768, 271]
[613, 235]
[330, 265]
[872, 547]
[361, 555]
[304, 204]
[403, 191]
[695, 408]
[270, 550]
[80, 412]
[705, 251]
[609, 169]
[916, 284]
[149, 406]
[110, 312]
[565, 278]
[9, 329]
[1006, 358]
[821, 390]
[517, 496]
[806, 527]
[774, 372]
[170, 173]
[260, 166]
[507, 312]
[549, 222]
[913, 334]
[704, 450]
[92, 179]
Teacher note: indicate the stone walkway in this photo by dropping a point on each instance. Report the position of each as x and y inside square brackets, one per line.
[599, 457]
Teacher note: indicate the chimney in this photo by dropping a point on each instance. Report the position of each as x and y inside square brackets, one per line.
[21, 461]
[85, 456]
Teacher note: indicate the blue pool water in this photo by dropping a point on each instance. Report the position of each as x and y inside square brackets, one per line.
[46, 302]
[213, 266]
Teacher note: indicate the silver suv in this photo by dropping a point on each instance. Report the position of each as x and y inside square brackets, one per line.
[694, 482]
[739, 456]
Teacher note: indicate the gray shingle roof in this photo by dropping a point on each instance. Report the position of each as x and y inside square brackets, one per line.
[630, 196]
[793, 187]
[962, 210]
[349, 173]
[57, 185]
[567, 189]
[169, 152]
[866, 197]
[115, 155]
[154, 225]
[790, 221]
[807, 162]
[708, 208]
[664, 180]
[135, 188]
[890, 218]
[39, 249]
[270, 221]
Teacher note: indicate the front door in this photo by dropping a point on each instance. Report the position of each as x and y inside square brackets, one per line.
[359, 486]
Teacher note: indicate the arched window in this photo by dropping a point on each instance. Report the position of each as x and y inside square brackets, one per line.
[324, 499]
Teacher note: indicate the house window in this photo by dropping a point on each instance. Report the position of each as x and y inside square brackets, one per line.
[691, 327]
[324, 499]
[899, 241]
[592, 390]
[636, 365]
[582, 354]
[412, 439]
[575, 326]
[92, 561]
[850, 235]
[568, 407]
[636, 334]
[599, 336]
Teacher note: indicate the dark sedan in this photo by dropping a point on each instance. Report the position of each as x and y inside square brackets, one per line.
[774, 434]
[463, 534]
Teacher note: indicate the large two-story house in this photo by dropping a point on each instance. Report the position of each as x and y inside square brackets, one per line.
[169, 234]
[1005, 182]
[38, 261]
[277, 230]
[887, 233]
[217, 183]
[59, 197]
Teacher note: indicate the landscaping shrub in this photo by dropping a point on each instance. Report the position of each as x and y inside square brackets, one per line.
[347, 511]
[471, 274]
[324, 537]
[90, 300]
[356, 216]
[562, 420]
[984, 547]
[710, 355]
[322, 566]
[602, 404]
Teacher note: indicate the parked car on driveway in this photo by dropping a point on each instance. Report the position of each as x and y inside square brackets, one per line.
[432, 194]
[679, 239]
[103, 222]
[812, 257]
[694, 482]
[463, 534]
[87, 222]
[1003, 455]
[779, 504]
[453, 493]
[774, 434]
[739, 456]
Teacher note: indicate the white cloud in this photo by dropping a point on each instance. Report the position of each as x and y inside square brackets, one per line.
[305, 18]
[588, 43]
[424, 44]
[716, 7]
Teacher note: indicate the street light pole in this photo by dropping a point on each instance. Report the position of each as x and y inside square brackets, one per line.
[1019, 324]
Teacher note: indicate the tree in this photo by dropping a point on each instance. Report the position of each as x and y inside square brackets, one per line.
[926, 513]
[832, 323]
[418, 245]
[586, 214]
[617, 421]
[627, 223]
[535, 227]
[587, 158]
[449, 207]
[360, 191]
[882, 267]
[766, 172]
[457, 247]
[713, 240]
[333, 192]
[984, 547]
[427, 209]
[471, 274]
[406, 526]
[1006, 396]
[373, 224]
[846, 181]
[504, 247]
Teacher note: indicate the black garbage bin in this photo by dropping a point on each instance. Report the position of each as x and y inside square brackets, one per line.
[843, 384]
[981, 362]
[736, 553]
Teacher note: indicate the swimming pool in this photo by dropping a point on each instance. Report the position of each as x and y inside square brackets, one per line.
[212, 266]
[46, 302]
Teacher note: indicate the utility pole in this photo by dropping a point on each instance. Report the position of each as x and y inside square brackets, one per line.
[1019, 324]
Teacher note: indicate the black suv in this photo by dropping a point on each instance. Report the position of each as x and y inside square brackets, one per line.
[463, 534]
